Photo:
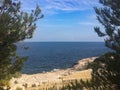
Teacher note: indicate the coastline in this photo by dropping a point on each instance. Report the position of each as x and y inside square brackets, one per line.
[55, 77]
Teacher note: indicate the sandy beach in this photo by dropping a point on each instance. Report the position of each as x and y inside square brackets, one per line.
[56, 77]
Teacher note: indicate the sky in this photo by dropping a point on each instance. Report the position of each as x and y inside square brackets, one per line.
[64, 20]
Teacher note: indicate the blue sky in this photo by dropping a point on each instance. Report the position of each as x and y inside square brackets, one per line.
[64, 20]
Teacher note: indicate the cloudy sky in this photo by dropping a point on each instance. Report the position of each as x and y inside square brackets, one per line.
[64, 20]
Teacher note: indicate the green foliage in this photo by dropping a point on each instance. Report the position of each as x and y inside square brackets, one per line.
[17, 74]
[18, 88]
[106, 75]
[15, 26]
[106, 68]
[75, 85]
[109, 17]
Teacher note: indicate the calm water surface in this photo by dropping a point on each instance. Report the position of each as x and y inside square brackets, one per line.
[46, 56]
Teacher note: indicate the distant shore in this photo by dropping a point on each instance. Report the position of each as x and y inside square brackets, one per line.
[55, 77]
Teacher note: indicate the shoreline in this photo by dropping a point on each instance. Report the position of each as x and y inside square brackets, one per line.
[48, 79]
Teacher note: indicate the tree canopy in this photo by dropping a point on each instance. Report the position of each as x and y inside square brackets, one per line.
[106, 71]
[106, 68]
[15, 26]
[109, 17]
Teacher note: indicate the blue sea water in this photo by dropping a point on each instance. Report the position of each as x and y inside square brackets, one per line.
[46, 56]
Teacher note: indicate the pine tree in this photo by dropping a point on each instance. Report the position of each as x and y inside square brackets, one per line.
[15, 26]
[106, 68]
[109, 17]
[106, 71]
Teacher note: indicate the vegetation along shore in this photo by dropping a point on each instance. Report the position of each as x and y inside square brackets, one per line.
[55, 78]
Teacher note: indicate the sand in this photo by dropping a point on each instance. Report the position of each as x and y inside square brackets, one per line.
[55, 77]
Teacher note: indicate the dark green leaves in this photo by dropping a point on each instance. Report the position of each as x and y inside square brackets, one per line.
[97, 30]
[15, 26]
[109, 17]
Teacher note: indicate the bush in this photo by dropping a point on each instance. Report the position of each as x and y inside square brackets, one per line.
[18, 88]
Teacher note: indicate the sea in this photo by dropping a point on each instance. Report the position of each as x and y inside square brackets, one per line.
[47, 56]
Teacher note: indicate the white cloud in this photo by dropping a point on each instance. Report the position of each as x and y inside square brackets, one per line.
[89, 23]
[92, 16]
[60, 5]
[70, 5]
